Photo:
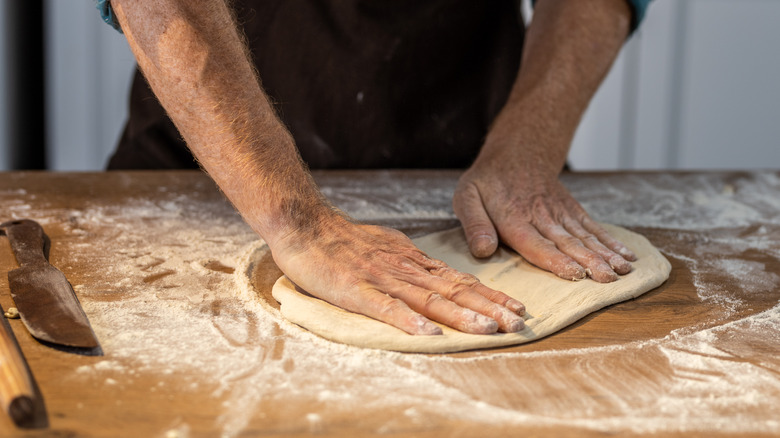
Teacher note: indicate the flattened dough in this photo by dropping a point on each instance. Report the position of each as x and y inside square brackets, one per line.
[551, 303]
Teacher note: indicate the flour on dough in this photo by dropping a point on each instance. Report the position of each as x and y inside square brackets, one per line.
[551, 303]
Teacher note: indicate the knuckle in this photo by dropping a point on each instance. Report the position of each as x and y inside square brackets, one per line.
[495, 296]
[466, 194]
[391, 307]
[457, 291]
[371, 269]
[431, 263]
[590, 240]
[540, 209]
[516, 210]
[587, 222]
[407, 267]
[596, 260]
[543, 245]
[431, 300]
[357, 282]
[467, 279]
[604, 238]
[477, 226]
[439, 272]
[453, 275]
[570, 242]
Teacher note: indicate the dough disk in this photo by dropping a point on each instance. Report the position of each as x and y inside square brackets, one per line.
[551, 303]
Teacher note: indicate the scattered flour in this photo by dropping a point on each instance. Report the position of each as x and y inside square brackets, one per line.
[176, 272]
[685, 202]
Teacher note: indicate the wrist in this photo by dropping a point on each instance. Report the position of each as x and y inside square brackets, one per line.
[301, 221]
[520, 142]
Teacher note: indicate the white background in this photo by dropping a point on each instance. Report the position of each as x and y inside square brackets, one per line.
[695, 88]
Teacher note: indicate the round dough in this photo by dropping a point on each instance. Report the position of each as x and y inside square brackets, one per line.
[551, 303]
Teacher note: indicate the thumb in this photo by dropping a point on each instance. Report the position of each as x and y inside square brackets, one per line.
[480, 232]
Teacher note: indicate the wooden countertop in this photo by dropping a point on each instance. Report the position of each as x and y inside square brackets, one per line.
[177, 289]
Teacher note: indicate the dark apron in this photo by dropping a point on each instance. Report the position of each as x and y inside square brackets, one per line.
[362, 83]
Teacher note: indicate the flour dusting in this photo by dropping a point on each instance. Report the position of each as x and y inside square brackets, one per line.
[170, 295]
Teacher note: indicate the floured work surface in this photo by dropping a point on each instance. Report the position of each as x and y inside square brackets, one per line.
[551, 303]
[194, 345]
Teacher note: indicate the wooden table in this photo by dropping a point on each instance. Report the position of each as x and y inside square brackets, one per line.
[176, 287]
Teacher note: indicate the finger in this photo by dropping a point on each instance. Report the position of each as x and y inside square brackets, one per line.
[542, 252]
[462, 290]
[436, 307]
[472, 281]
[609, 241]
[389, 310]
[595, 266]
[501, 298]
[439, 268]
[616, 261]
[480, 232]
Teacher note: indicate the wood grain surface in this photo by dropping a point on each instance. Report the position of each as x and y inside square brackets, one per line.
[156, 257]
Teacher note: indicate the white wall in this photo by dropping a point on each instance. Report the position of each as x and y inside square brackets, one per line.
[730, 104]
[89, 67]
[695, 88]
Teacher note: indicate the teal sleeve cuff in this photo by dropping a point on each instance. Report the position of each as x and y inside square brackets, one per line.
[638, 7]
[107, 14]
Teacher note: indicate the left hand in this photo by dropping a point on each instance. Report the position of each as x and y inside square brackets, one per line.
[512, 190]
[535, 214]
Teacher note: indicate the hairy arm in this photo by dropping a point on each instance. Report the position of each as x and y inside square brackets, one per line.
[512, 190]
[197, 65]
[195, 61]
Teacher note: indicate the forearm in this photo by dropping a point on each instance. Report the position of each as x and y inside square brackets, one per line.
[196, 63]
[512, 191]
[569, 48]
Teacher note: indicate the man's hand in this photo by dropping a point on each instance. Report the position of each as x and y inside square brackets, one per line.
[378, 272]
[512, 191]
[540, 220]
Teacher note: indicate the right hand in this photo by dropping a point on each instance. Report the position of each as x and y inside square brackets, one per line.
[378, 272]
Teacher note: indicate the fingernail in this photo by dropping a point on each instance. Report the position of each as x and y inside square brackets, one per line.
[604, 274]
[575, 273]
[608, 277]
[627, 254]
[427, 328]
[431, 329]
[511, 323]
[481, 324]
[483, 245]
[516, 306]
[620, 265]
[515, 326]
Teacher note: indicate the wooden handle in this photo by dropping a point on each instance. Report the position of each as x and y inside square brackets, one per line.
[29, 242]
[17, 394]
